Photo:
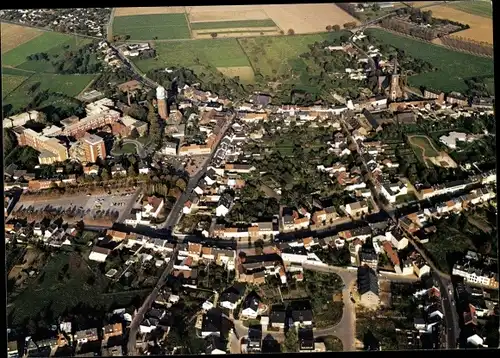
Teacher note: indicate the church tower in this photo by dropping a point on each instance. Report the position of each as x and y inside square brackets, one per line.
[395, 88]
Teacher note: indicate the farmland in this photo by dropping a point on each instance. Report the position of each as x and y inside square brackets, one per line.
[231, 24]
[11, 82]
[149, 27]
[15, 35]
[270, 55]
[481, 28]
[480, 8]
[42, 43]
[452, 67]
[129, 11]
[213, 52]
[70, 85]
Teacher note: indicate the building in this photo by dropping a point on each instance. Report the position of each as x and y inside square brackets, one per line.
[99, 118]
[368, 287]
[475, 275]
[169, 148]
[161, 102]
[224, 205]
[194, 149]
[112, 330]
[99, 254]
[152, 206]
[452, 138]
[391, 191]
[232, 296]
[51, 149]
[357, 209]
[87, 335]
[93, 147]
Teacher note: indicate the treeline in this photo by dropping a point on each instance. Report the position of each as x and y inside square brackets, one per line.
[480, 48]
[84, 60]
[476, 87]
[408, 28]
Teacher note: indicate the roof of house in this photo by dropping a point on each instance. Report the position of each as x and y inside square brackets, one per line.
[234, 293]
[277, 316]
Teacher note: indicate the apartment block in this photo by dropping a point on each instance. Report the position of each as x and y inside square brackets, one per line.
[51, 149]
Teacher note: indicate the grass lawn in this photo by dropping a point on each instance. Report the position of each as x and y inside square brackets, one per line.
[25, 157]
[215, 52]
[452, 67]
[42, 43]
[127, 148]
[275, 53]
[50, 289]
[11, 82]
[425, 143]
[480, 8]
[147, 27]
[231, 24]
[70, 85]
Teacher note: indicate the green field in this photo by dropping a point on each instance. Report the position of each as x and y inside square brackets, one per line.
[42, 43]
[46, 66]
[70, 85]
[231, 24]
[215, 52]
[452, 67]
[147, 27]
[279, 53]
[480, 8]
[423, 146]
[11, 82]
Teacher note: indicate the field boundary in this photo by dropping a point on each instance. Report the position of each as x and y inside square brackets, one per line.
[19, 85]
[246, 55]
[188, 23]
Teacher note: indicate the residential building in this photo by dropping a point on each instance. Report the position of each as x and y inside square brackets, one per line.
[88, 335]
[357, 209]
[224, 205]
[12, 350]
[277, 319]
[152, 206]
[112, 330]
[232, 296]
[368, 287]
[392, 190]
[398, 240]
[99, 254]
[93, 147]
[475, 275]
[169, 148]
[20, 119]
[98, 117]
[251, 306]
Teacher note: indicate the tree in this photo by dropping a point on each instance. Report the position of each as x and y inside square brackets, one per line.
[134, 134]
[154, 125]
[329, 28]
[291, 32]
[375, 7]
[214, 35]
[349, 25]
[291, 343]
[105, 174]
[131, 171]
[336, 28]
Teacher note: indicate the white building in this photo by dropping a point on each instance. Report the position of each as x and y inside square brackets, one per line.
[392, 190]
[99, 254]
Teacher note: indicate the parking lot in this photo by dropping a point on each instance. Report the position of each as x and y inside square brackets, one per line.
[83, 205]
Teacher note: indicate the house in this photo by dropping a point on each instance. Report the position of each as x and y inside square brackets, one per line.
[397, 240]
[118, 170]
[115, 351]
[277, 319]
[306, 339]
[112, 330]
[215, 345]
[392, 190]
[152, 207]
[214, 322]
[358, 208]
[420, 267]
[12, 350]
[302, 318]
[250, 308]
[148, 325]
[88, 335]
[254, 341]
[224, 204]
[169, 148]
[368, 287]
[143, 168]
[91, 170]
[232, 296]
[99, 254]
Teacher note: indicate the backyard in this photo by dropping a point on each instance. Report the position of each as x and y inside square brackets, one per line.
[452, 67]
[151, 27]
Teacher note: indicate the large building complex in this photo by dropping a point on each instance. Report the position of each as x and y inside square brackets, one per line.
[51, 149]
[78, 127]
[88, 148]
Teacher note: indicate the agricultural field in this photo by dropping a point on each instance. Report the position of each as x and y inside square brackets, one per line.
[302, 18]
[481, 27]
[42, 43]
[132, 11]
[215, 25]
[194, 54]
[480, 8]
[150, 27]
[70, 85]
[276, 55]
[243, 28]
[452, 67]
[11, 82]
[15, 35]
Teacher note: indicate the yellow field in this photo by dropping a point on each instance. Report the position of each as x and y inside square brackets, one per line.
[15, 35]
[481, 29]
[129, 11]
[302, 18]
[245, 73]
[419, 4]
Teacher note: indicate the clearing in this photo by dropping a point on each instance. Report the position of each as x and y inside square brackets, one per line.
[11, 82]
[149, 27]
[426, 150]
[272, 54]
[480, 8]
[42, 43]
[425, 144]
[195, 54]
[453, 67]
[70, 85]
[15, 35]
[245, 73]
[481, 28]
[131, 11]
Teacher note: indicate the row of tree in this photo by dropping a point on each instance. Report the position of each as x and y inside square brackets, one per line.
[460, 43]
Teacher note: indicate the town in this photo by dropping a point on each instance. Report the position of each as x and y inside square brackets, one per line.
[185, 221]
